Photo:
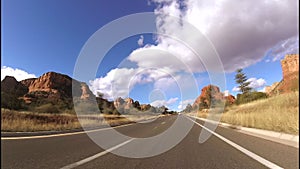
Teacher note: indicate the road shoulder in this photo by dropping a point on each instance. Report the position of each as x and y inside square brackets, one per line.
[283, 138]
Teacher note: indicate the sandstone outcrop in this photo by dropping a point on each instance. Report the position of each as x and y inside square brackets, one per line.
[51, 87]
[269, 89]
[230, 99]
[145, 107]
[211, 94]
[290, 66]
[119, 102]
[208, 93]
[290, 76]
[126, 104]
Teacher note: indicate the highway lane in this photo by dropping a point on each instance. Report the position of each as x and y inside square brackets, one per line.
[57, 152]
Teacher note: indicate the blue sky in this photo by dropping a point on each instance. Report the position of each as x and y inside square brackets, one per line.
[42, 36]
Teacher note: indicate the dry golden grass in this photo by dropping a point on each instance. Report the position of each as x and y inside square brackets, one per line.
[29, 121]
[279, 113]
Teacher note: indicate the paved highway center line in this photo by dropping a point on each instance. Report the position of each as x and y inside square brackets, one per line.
[88, 159]
[240, 148]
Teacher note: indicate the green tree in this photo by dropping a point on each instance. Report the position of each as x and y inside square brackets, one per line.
[163, 109]
[188, 108]
[241, 80]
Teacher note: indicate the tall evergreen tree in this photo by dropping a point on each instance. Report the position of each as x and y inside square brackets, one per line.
[241, 80]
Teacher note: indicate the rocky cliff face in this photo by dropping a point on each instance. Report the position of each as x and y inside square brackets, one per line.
[269, 89]
[50, 82]
[210, 94]
[51, 87]
[290, 66]
[118, 102]
[290, 76]
[125, 104]
[57, 84]
[230, 99]
[145, 107]
[128, 103]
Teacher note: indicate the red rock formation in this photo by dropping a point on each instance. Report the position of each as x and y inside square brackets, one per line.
[51, 82]
[145, 107]
[230, 99]
[51, 87]
[208, 93]
[28, 82]
[127, 103]
[59, 85]
[269, 89]
[290, 74]
[118, 102]
[290, 66]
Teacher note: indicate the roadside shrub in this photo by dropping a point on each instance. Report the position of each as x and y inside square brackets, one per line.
[10, 101]
[47, 108]
[249, 97]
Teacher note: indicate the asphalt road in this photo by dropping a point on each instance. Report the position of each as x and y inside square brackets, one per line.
[79, 151]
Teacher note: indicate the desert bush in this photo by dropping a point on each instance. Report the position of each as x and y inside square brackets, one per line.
[47, 108]
[249, 97]
[10, 101]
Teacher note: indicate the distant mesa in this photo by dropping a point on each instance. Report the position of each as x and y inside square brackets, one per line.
[290, 74]
[145, 107]
[55, 86]
[56, 93]
[129, 105]
[124, 104]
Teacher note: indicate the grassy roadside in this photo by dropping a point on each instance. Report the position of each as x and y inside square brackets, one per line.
[279, 113]
[15, 121]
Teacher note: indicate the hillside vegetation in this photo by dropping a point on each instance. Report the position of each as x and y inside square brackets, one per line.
[279, 113]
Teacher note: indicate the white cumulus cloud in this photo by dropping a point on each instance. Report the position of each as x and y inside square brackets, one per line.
[236, 89]
[17, 73]
[118, 82]
[159, 103]
[184, 103]
[240, 31]
[256, 83]
[240, 35]
[141, 41]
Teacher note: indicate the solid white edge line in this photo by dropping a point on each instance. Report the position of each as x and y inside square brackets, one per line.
[88, 159]
[63, 134]
[240, 148]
